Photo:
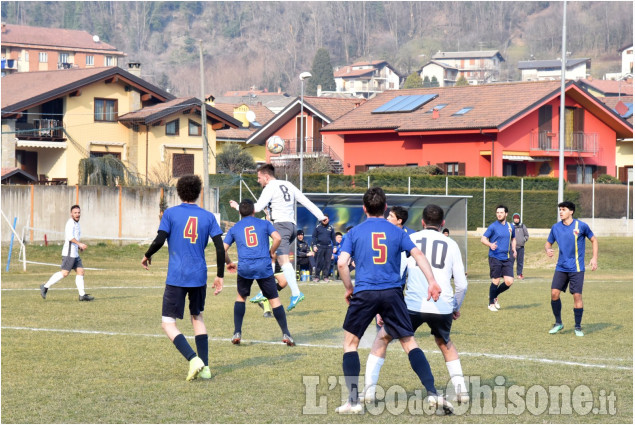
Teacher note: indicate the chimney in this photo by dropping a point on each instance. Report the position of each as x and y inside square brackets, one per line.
[319, 90]
[135, 68]
[435, 114]
[4, 28]
[590, 78]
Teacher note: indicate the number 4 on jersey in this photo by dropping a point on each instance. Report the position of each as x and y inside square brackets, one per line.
[191, 229]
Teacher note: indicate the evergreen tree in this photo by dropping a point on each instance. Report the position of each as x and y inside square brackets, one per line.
[434, 82]
[462, 81]
[321, 73]
[413, 81]
[426, 81]
[234, 159]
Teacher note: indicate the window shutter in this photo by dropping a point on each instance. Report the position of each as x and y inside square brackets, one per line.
[360, 169]
[461, 168]
[521, 169]
[572, 173]
[600, 169]
[182, 164]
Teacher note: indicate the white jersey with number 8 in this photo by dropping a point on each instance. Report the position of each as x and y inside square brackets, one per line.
[280, 197]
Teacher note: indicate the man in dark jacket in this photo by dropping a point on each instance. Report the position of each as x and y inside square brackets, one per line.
[322, 242]
[522, 236]
[304, 252]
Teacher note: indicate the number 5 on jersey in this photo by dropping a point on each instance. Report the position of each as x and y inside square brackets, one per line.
[380, 247]
[191, 229]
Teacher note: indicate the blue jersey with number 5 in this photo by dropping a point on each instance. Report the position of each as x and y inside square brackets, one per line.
[376, 245]
[189, 228]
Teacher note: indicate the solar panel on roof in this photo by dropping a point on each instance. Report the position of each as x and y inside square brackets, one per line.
[405, 103]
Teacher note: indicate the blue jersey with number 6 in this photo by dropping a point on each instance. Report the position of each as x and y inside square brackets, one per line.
[189, 228]
[376, 245]
[252, 243]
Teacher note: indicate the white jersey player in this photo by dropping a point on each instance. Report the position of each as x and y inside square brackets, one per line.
[444, 257]
[279, 196]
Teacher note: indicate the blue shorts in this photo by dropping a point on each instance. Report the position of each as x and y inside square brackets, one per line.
[389, 303]
[575, 281]
[174, 300]
[440, 324]
[501, 268]
[267, 286]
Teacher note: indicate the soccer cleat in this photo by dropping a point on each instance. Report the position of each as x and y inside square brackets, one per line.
[258, 298]
[578, 332]
[196, 364]
[368, 395]
[43, 291]
[520, 276]
[86, 297]
[236, 338]
[267, 315]
[205, 373]
[461, 398]
[327, 280]
[557, 327]
[316, 280]
[294, 301]
[349, 409]
[288, 340]
[437, 401]
[498, 306]
[492, 307]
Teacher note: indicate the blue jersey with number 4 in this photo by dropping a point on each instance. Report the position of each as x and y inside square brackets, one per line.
[376, 245]
[251, 235]
[189, 228]
[570, 241]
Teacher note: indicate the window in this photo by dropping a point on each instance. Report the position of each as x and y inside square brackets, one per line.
[182, 164]
[193, 128]
[106, 110]
[65, 57]
[438, 107]
[462, 111]
[44, 57]
[109, 61]
[90, 60]
[172, 128]
[452, 169]
[94, 154]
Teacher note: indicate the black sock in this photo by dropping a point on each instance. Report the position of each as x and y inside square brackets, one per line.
[239, 314]
[556, 307]
[281, 317]
[492, 293]
[202, 347]
[577, 313]
[184, 347]
[420, 365]
[501, 288]
[351, 367]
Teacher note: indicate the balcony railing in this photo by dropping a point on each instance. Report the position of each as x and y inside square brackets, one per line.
[40, 129]
[313, 147]
[578, 142]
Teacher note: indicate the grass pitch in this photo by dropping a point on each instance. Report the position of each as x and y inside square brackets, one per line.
[108, 361]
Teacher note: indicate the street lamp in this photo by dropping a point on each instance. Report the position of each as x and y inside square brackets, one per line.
[303, 77]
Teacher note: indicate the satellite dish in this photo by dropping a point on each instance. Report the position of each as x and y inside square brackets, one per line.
[251, 116]
[96, 38]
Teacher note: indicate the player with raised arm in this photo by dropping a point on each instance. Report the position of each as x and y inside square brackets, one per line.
[569, 234]
[445, 258]
[251, 235]
[280, 196]
[187, 228]
[376, 246]
[500, 238]
[70, 257]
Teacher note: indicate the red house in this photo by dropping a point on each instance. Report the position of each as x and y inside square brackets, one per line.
[508, 129]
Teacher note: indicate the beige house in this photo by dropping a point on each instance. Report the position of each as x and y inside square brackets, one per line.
[476, 66]
[366, 79]
[53, 119]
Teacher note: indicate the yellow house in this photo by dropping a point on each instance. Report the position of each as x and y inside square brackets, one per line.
[53, 119]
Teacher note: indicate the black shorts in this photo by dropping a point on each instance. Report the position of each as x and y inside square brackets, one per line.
[389, 303]
[501, 268]
[267, 286]
[440, 324]
[71, 263]
[174, 300]
[575, 281]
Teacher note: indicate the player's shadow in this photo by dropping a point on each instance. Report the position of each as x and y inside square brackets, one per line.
[521, 306]
[303, 312]
[260, 361]
[329, 334]
[590, 328]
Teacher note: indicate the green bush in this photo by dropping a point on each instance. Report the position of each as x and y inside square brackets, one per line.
[607, 179]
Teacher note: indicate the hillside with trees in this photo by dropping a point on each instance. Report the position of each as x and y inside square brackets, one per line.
[268, 44]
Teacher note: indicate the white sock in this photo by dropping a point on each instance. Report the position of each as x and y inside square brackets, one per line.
[456, 374]
[373, 367]
[79, 281]
[289, 274]
[54, 279]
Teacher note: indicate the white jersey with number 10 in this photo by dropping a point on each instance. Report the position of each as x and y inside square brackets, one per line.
[444, 257]
[280, 197]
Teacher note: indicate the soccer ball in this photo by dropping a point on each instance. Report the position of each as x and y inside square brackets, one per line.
[275, 144]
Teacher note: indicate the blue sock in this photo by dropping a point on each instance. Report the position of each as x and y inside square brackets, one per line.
[577, 313]
[492, 293]
[184, 347]
[239, 313]
[420, 365]
[202, 347]
[281, 317]
[501, 288]
[556, 307]
[351, 367]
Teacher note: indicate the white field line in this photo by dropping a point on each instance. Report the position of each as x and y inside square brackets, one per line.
[330, 346]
